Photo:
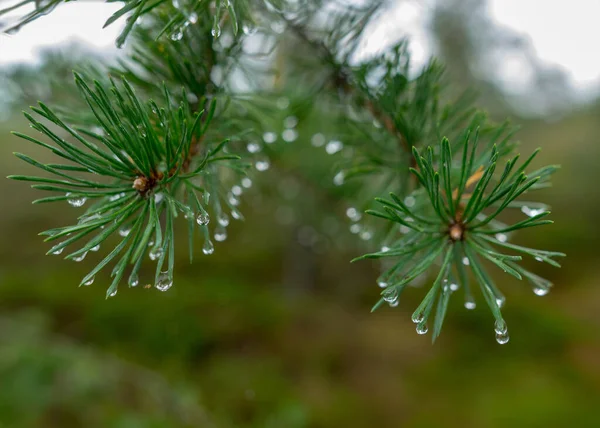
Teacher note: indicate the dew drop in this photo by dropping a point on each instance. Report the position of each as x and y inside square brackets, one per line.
[539, 259]
[95, 248]
[385, 249]
[382, 284]
[355, 228]
[193, 18]
[531, 212]
[124, 231]
[246, 182]
[113, 294]
[59, 251]
[500, 327]
[233, 200]
[165, 281]
[202, 219]
[262, 164]
[317, 140]
[502, 338]
[134, 280]
[333, 147]
[338, 180]
[394, 303]
[500, 301]
[116, 197]
[289, 135]
[269, 137]
[353, 214]
[540, 291]
[470, 303]
[155, 253]
[176, 36]
[208, 247]
[418, 318]
[80, 257]
[501, 237]
[89, 281]
[390, 295]
[422, 328]
[410, 201]
[465, 261]
[223, 219]
[236, 214]
[216, 30]
[76, 200]
[220, 234]
[248, 29]
[253, 147]
[454, 286]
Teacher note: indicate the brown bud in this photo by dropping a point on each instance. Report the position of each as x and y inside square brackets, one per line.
[456, 232]
[140, 184]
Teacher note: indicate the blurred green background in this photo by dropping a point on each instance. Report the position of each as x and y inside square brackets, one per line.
[275, 330]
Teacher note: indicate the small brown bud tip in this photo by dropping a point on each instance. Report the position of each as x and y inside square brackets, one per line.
[456, 232]
[140, 184]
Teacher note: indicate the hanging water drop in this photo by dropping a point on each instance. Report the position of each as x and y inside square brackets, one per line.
[216, 30]
[236, 190]
[394, 304]
[418, 318]
[165, 281]
[233, 200]
[246, 182]
[208, 247]
[89, 281]
[500, 327]
[76, 200]
[539, 259]
[253, 147]
[501, 237]
[113, 293]
[223, 219]
[338, 180]
[80, 257]
[353, 214]
[390, 295]
[540, 291]
[176, 36]
[193, 18]
[333, 147]
[454, 286]
[262, 164]
[155, 253]
[382, 284]
[384, 249]
[470, 303]
[95, 248]
[124, 231]
[502, 338]
[202, 219]
[134, 280]
[289, 135]
[465, 261]
[236, 214]
[422, 328]
[220, 234]
[500, 301]
[58, 252]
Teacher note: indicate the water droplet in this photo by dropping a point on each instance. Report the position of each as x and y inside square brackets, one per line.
[113, 293]
[289, 135]
[80, 257]
[500, 301]
[422, 328]
[418, 318]
[454, 286]
[89, 281]
[216, 30]
[248, 29]
[500, 326]
[502, 338]
[236, 214]
[233, 200]
[203, 219]
[470, 303]
[262, 165]
[382, 284]
[333, 147]
[155, 253]
[177, 4]
[531, 212]
[253, 147]
[394, 304]
[540, 291]
[76, 200]
[539, 259]
[220, 234]
[355, 228]
[176, 36]
[390, 295]
[385, 249]
[208, 247]
[59, 251]
[283, 103]
[465, 261]
[317, 140]
[124, 231]
[366, 235]
[165, 281]
[501, 237]
[246, 182]
[95, 248]
[290, 122]
[134, 280]
[116, 197]
[338, 180]
[193, 18]
[353, 214]
[223, 219]
[269, 137]
[410, 201]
